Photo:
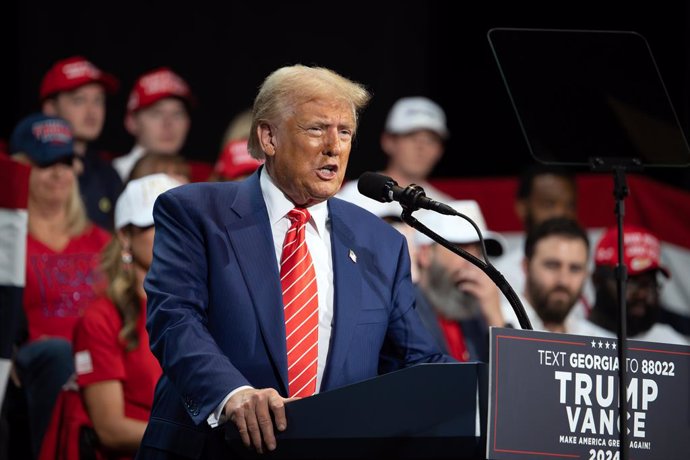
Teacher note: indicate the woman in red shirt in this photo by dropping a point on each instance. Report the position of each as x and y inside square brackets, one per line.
[62, 254]
[116, 370]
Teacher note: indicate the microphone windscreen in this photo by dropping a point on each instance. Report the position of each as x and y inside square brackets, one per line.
[375, 186]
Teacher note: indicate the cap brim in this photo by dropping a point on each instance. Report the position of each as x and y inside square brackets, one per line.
[138, 220]
[67, 157]
[494, 242]
[443, 134]
[188, 101]
[663, 270]
[109, 82]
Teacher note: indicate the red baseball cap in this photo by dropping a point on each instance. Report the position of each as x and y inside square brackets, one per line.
[156, 85]
[235, 160]
[641, 250]
[73, 72]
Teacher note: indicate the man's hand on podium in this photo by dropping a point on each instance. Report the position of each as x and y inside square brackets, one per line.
[251, 410]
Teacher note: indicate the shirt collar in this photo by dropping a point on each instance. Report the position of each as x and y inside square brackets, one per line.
[278, 205]
[137, 151]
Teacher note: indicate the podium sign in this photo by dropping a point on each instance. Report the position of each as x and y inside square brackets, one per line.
[556, 396]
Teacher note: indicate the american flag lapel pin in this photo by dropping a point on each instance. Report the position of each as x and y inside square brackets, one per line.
[353, 256]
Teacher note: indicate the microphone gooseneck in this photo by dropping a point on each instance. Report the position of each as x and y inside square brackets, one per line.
[384, 189]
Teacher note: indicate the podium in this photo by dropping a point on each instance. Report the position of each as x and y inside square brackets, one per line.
[428, 411]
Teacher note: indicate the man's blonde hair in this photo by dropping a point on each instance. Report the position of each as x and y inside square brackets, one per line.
[288, 87]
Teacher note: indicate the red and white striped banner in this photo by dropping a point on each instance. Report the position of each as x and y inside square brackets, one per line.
[14, 191]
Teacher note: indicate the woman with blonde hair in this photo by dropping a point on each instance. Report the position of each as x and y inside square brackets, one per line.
[62, 254]
[105, 414]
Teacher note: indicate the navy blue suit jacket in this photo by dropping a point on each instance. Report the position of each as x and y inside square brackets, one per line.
[215, 313]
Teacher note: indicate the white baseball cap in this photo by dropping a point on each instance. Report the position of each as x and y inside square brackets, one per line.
[135, 204]
[382, 210]
[416, 113]
[457, 230]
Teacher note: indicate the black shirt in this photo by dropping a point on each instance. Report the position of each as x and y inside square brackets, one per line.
[100, 185]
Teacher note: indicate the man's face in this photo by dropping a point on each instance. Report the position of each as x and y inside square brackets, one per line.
[552, 196]
[162, 127]
[555, 276]
[308, 151]
[414, 154]
[641, 296]
[445, 274]
[83, 108]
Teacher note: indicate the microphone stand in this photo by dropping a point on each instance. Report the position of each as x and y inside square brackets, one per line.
[484, 266]
[620, 190]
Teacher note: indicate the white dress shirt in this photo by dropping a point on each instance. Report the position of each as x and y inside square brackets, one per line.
[318, 236]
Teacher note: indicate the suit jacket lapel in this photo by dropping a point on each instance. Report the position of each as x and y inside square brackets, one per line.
[347, 281]
[252, 240]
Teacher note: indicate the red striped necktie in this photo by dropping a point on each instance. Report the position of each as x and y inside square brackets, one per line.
[301, 307]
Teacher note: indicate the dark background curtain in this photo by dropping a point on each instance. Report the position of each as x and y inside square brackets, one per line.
[224, 50]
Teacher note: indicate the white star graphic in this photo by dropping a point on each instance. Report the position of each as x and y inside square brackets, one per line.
[600, 344]
[607, 345]
[594, 343]
[613, 345]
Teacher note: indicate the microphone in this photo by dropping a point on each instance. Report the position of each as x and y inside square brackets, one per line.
[384, 189]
